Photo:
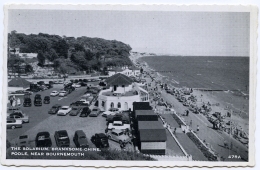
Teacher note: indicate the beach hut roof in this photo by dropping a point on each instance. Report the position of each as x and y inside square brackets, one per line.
[19, 82]
[119, 79]
[156, 135]
[150, 125]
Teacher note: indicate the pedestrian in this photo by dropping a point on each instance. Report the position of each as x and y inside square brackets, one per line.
[18, 101]
[11, 99]
[187, 112]
[174, 131]
[198, 128]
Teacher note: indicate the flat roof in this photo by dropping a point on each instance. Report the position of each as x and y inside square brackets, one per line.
[150, 125]
[156, 135]
[144, 112]
[141, 106]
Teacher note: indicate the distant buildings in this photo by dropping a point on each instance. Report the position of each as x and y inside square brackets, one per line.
[126, 70]
[122, 92]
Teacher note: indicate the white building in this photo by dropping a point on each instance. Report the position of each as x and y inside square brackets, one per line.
[121, 94]
[128, 71]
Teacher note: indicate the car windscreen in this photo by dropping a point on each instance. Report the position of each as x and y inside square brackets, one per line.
[64, 108]
[95, 110]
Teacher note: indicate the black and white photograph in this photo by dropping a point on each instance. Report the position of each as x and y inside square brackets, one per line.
[132, 84]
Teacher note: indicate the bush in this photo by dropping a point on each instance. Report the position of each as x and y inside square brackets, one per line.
[178, 120]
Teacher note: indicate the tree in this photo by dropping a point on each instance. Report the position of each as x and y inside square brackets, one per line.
[41, 58]
[28, 68]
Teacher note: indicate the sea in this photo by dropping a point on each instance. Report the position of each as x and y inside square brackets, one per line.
[213, 73]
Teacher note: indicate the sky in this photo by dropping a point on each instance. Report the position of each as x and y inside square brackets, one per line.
[167, 32]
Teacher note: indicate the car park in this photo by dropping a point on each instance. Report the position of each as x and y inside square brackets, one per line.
[22, 141]
[95, 112]
[19, 115]
[46, 100]
[43, 139]
[85, 112]
[100, 140]
[54, 93]
[64, 110]
[75, 111]
[13, 123]
[27, 102]
[80, 139]
[63, 93]
[62, 138]
[54, 109]
[118, 125]
[118, 136]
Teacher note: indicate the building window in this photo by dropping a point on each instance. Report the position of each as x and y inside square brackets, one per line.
[103, 104]
[112, 105]
[118, 105]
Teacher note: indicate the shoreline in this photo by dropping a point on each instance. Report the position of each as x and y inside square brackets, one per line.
[228, 100]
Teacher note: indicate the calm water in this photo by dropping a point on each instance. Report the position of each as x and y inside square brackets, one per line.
[218, 73]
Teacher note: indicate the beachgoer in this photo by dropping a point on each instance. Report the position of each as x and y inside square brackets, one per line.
[11, 99]
[187, 112]
[198, 128]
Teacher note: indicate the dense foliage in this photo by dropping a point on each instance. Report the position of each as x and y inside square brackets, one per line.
[85, 53]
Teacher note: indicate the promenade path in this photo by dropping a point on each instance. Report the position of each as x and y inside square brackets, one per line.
[214, 138]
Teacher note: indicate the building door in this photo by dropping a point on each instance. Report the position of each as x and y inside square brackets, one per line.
[126, 106]
[112, 105]
[114, 87]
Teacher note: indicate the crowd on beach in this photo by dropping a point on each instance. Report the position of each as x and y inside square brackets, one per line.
[221, 121]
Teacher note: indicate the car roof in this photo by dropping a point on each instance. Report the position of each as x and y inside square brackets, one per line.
[64, 132]
[9, 118]
[65, 106]
[43, 133]
[80, 133]
[101, 135]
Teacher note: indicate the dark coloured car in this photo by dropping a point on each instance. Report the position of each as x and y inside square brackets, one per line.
[37, 102]
[43, 139]
[54, 109]
[85, 112]
[118, 117]
[100, 140]
[46, 100]
[78, 103]
[80, 139]
[62, 138]
[27, 102]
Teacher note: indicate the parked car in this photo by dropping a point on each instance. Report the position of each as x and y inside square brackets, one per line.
[62, 138]
[54, 109]
[46, 100]
[63, 93]
[64, 110]
[77, 103]
[116, 110]
[118, 136]
[95, 112]
[118, 125]
[118, 117]
[100, 140]
[22, 141]
[43, 139]
[19, 115]
[75, 111]
[80, 139]
[37, 100]
[107, 113]
[54, 93]
[76, 85]
[85, 112]
[13, 123]
[27, 102]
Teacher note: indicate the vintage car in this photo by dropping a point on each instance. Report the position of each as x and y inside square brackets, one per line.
[19, 115]
[23, 141]
[54, 93]
[46, 100]
[13, 123]
[64, 110]
[27, 102]
[118, 125]
[118, 136]
[85, 112]
[43, 139]
[80, 139]
[62, 138]
[100, 140]
[54, 109]
[95, 112]
[107, 113]
[63, 93]
[75, 111]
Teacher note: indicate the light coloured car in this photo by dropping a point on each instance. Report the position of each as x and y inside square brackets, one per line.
[118, 125]
[118, 136]
[63, 93]
[64, 110]
[19, 115]
[54, 93]
[107, 113]
[23, 141]
[12, 123]
[76, 85]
